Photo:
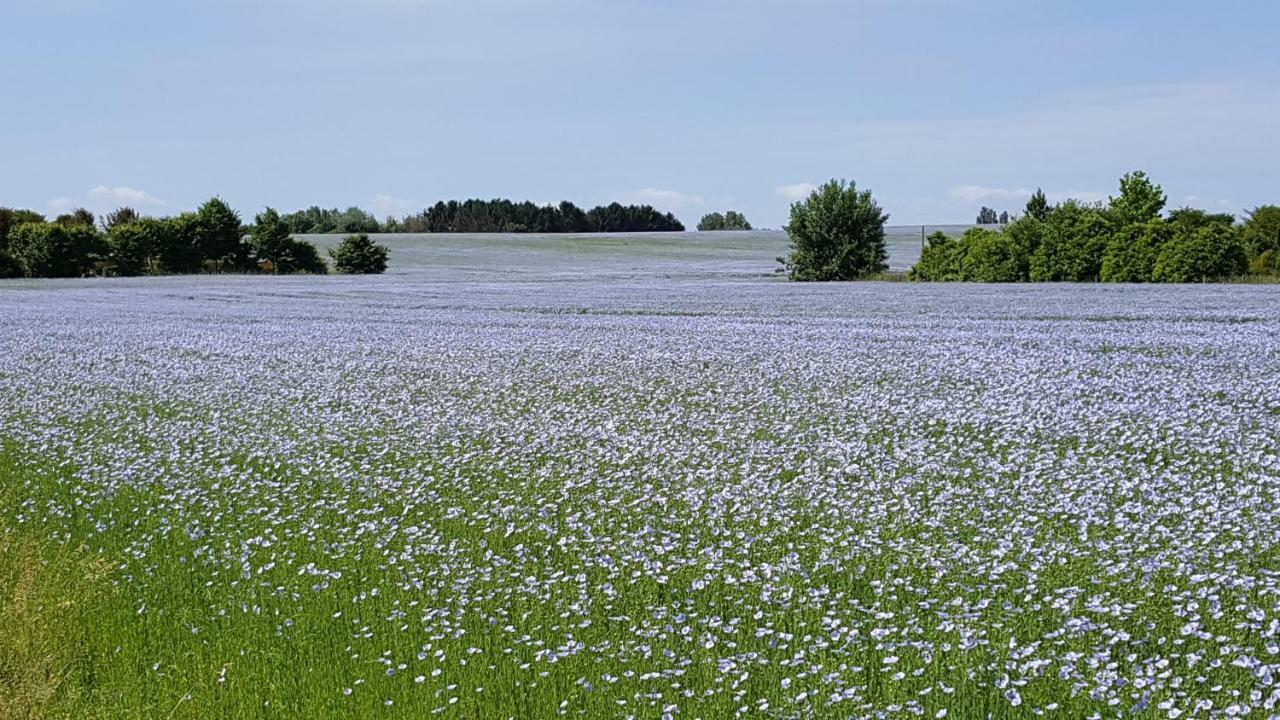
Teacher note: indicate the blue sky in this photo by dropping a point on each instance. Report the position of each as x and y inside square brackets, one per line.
[938, 107]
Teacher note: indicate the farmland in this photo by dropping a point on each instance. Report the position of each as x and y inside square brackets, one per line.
[516, 478]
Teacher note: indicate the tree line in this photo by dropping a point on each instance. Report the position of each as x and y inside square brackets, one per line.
[1129, 238]
[507, 216]
[837, 233]
[126, 243]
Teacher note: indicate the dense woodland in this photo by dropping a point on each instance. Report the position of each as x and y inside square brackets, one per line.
[506, 216]
[1128, 239]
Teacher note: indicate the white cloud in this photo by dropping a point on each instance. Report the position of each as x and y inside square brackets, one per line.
[384, 205]
[103, 199]
[670, 200]
[117, 196]
[796, 192]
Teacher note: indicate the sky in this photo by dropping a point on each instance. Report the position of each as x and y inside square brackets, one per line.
[938, 107]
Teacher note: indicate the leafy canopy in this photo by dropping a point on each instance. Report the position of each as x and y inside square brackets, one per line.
[836, 234]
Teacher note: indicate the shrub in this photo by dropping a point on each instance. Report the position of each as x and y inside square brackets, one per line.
[1210, 253]
[939, 261]
[980, 255]
[358, 255]
[836, 234]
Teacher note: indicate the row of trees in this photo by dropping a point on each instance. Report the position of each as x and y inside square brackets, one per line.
[731, 220]
[319, 221]
[989, 216]
[506, 216]
[837, 233]
[211, 239]
[1128, 239]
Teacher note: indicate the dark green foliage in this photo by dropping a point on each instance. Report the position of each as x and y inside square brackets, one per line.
[1025, 232]
[731, 220]
[991, 257]
[218, 236]
[130, 248]
[10, 218]
[987, 216]
[979, 255]
[1071, 247]
[836, 234]
[616, 217]
[121, 216]
[1213, 252]
[939, 260]
[77, 217]
[1261, 233]
[359, 255]
[1132, 252]
[319, 221]
[9, 267]
[54, 250]
[276, 251]
[1038, 206]
[1140, 200]
[505, 216]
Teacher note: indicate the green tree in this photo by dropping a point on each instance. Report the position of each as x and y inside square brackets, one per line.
[121, 216]
[1072, 245]
[731, 220]
[275, 249]
[217, 235]
[1213, 252]
[837, 233]
[1132, 252]
[939, 260]
[711, 222]
[1026, 233]
[77, 217]
[1038, 206]
[990, 257]
[130, 249]
[359, 255]
[54, 250]
[1139, 201]
[1261, 232]
[987, 216]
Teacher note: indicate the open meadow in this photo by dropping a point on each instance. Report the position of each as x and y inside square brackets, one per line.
[539, 477]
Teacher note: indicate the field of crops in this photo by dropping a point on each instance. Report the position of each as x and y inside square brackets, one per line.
[491, 488]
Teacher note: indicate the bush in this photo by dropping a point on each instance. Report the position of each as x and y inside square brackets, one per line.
[979, 255]
[939, 260]
[358, 255]
[1210, 253]
[53, 250]
[836, 234]
[1132, 252]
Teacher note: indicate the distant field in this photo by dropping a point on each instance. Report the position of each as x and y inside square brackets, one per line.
[636, 477]
[724, 254]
